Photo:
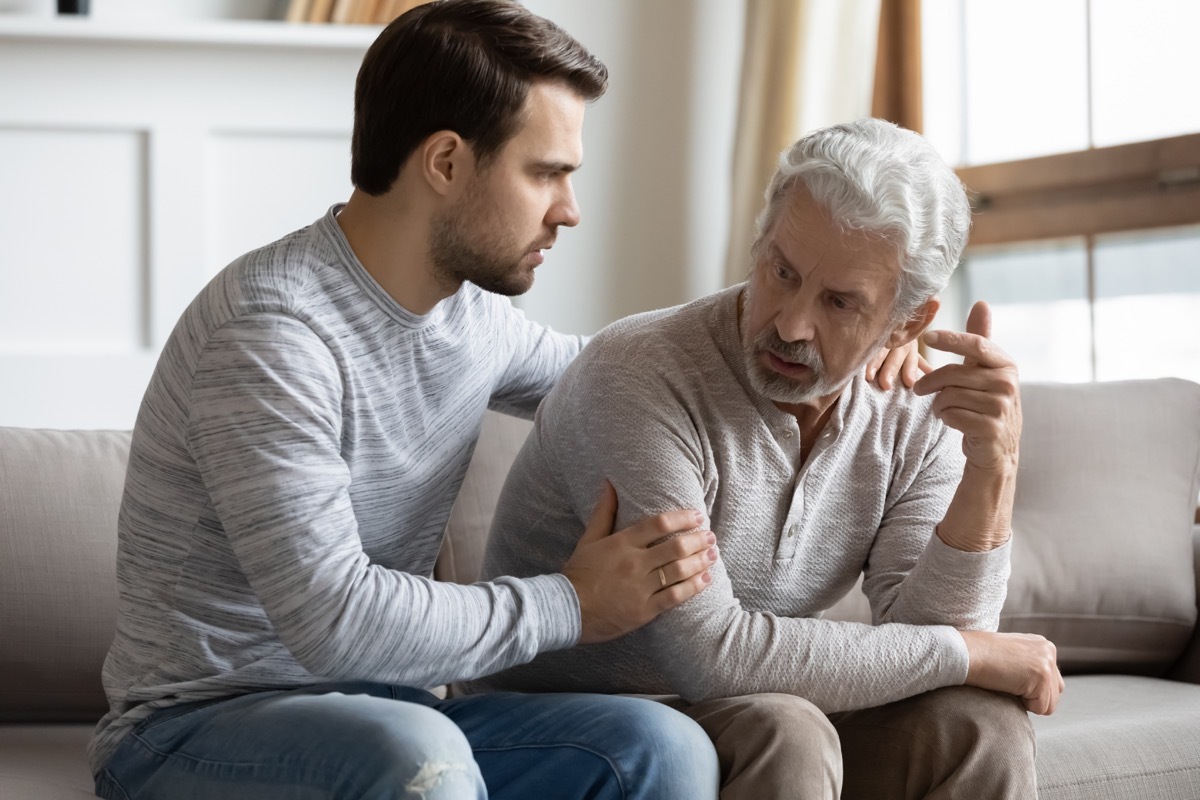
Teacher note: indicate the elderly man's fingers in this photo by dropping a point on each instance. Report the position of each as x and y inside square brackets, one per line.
[984, 380]
[979, 321]
[974, 348]
[986, 403]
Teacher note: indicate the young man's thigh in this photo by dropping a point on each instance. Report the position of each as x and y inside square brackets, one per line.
[372, 740]
[585, 745]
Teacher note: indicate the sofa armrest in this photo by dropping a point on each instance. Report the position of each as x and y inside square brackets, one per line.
[1188, 667]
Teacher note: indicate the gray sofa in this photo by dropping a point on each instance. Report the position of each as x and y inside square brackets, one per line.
[1105, 563]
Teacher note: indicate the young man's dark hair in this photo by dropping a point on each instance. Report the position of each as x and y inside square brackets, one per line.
[460, 65]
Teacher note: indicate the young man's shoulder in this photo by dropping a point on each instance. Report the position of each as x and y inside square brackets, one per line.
[279, 276]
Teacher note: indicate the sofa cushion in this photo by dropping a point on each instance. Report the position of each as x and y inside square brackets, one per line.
[1118, 737]
[466, 533]
[45, 762]
[1188, 667]
[59, 496]
[1102, 525]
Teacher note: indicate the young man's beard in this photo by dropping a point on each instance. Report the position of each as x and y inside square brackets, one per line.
[490, 260]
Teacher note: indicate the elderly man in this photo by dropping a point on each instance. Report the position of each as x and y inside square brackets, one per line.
[750, 403]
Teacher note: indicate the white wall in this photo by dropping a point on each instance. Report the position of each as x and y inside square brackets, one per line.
[135, 164]
[135, 161]
[654, 190]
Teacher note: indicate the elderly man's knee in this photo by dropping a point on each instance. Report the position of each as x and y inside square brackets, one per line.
[762, 728]
[960, 741]
[967, 711]
[787, 721]
[772, 745]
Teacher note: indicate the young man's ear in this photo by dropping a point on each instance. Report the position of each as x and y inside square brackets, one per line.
[446, 162]
[916, 324]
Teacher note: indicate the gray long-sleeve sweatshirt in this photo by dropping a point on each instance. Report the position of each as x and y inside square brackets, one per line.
[292, 469]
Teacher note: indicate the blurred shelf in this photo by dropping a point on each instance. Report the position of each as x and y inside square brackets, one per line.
[220, 33]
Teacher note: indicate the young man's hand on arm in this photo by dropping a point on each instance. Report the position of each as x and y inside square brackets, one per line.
[623, 582]
[904, 362]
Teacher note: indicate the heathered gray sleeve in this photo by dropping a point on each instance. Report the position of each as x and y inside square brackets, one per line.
[628, 428]
[936, 585]
[539, 357]
[265, 432]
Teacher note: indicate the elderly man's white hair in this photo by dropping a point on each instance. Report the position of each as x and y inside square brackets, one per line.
[880, 179]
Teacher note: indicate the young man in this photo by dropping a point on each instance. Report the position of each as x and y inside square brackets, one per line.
[750, 403]
[302, 441]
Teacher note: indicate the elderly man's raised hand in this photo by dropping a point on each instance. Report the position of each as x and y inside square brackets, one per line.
[626, 579]
[980, 397]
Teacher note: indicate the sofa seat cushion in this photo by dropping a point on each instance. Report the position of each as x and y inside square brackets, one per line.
[45, 762]
[1120, 737]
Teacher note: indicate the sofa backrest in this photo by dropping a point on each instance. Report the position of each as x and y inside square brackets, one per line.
[59, 495]
[1103, 561]
[500, 440]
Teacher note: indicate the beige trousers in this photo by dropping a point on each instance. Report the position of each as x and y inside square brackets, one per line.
[957, 742]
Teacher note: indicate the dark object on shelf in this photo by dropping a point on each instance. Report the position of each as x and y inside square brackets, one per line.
[73, 6]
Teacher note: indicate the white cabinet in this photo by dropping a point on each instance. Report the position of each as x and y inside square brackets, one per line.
[135, 162]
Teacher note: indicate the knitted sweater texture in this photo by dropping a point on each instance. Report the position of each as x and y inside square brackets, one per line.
[661, 405]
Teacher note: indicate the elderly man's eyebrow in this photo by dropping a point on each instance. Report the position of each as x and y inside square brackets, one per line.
[856, 295]
[777, 253]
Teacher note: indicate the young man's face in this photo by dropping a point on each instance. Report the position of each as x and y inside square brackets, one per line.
[818, 304]
[493, 236]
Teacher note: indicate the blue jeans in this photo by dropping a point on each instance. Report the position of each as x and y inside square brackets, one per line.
[374, 741]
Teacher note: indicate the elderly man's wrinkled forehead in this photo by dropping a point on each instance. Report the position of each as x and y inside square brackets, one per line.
[803, 219]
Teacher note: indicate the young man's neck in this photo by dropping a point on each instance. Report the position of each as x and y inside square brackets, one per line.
[391, 240]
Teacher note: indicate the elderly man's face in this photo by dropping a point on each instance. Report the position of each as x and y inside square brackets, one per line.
[818, 304]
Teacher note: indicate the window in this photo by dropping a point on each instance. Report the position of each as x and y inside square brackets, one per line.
[1075, 128]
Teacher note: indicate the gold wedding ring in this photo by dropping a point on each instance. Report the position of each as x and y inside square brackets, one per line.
[662, 577]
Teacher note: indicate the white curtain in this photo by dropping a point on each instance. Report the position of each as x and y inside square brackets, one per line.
[805, 64]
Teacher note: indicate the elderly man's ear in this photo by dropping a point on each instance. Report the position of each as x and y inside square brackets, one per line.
[921, 319]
